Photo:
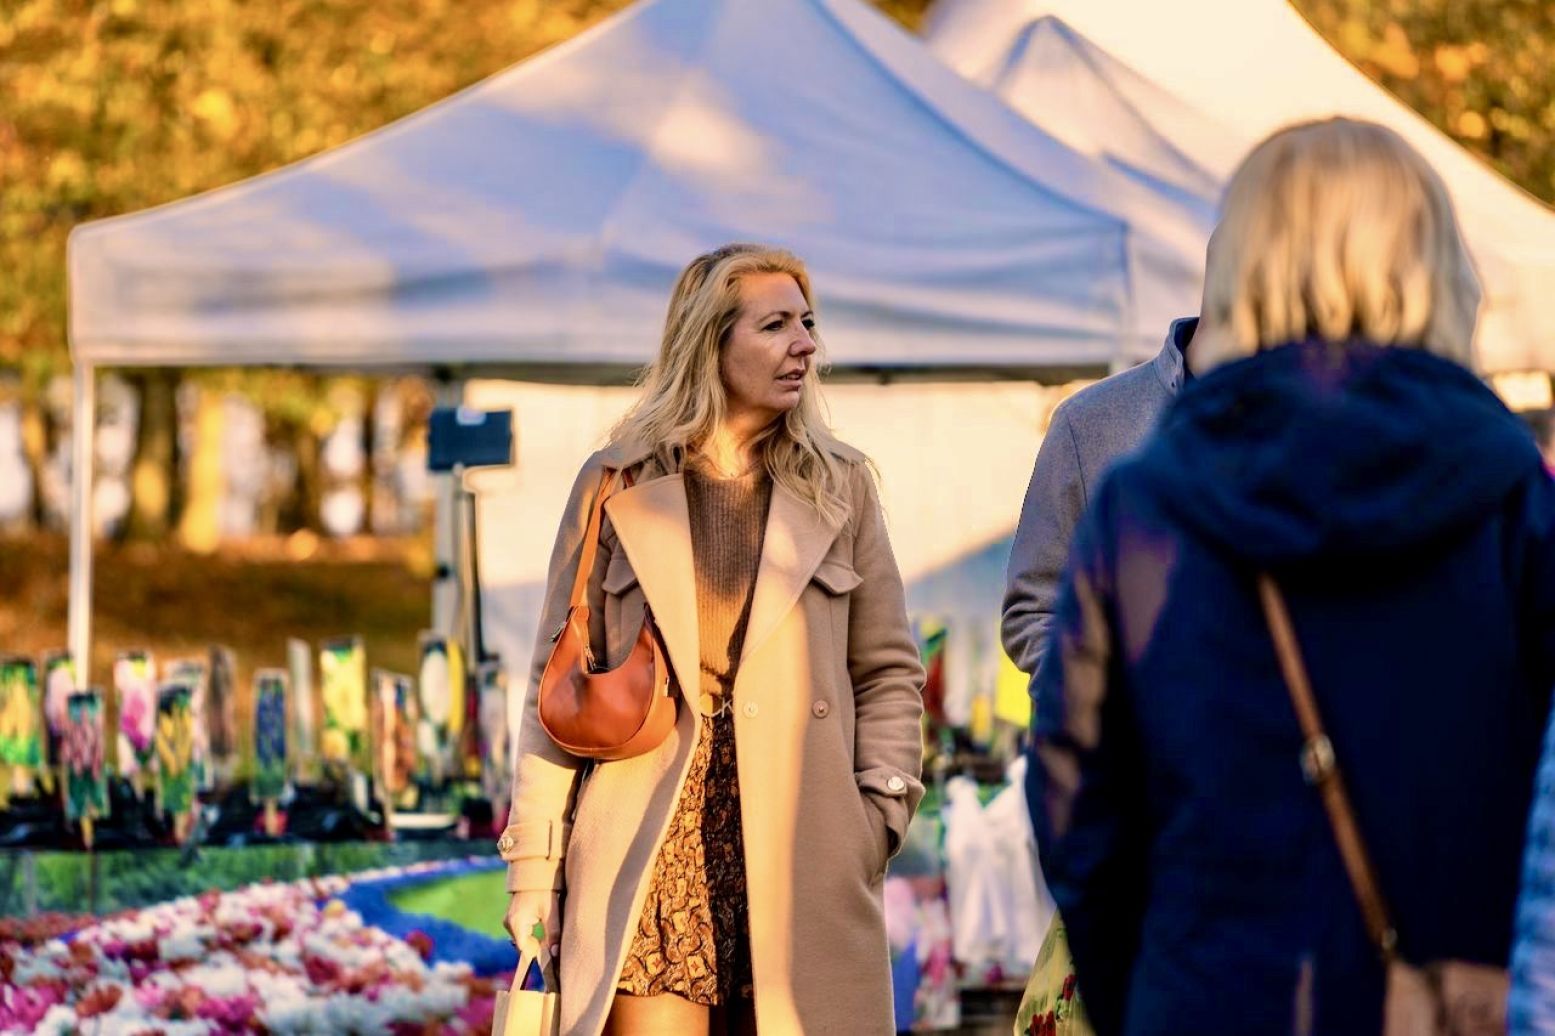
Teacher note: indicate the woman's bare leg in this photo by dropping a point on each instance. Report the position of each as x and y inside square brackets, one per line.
[666, 1015]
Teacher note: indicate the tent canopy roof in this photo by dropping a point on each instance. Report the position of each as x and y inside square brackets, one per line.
[1182, 89]
[536, 221]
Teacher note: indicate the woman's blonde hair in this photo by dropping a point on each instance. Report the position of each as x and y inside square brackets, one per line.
[684, 399]
[1337, 230]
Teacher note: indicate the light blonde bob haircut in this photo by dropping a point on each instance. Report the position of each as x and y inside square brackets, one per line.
[684, 400]
[1337, 230]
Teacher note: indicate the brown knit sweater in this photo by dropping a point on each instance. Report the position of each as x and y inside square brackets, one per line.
[728, 525]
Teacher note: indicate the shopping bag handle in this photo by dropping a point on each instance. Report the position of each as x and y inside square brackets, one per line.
[547, 961]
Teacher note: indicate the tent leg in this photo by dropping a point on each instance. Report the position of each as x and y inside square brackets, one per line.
[83, 436]
[445, 520]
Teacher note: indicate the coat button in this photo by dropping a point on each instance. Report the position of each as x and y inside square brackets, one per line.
[751, 709]
[896, 785]
[821, 709]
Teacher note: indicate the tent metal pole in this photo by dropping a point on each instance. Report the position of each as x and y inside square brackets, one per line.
[83, 436]
[446, 517]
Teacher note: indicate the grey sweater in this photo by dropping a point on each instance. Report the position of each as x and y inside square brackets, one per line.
[1088, 432]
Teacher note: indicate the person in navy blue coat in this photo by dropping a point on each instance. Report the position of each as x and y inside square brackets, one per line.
[1337, 440]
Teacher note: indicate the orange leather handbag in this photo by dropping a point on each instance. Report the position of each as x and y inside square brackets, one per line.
[604, 714]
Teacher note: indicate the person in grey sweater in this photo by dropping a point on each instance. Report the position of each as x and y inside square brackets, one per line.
[1088, 432]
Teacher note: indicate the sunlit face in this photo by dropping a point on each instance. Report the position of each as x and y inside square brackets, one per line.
[768, 350]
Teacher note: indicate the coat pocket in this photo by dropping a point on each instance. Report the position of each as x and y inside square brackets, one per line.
[837, 578]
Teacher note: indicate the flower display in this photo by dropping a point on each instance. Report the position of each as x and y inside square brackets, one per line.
[276, 958]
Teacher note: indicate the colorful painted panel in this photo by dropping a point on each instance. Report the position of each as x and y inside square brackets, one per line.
[441, 694]
[21, 714]
[270, 773]
[59, 683]
[343, 683]
[135, 689]
[394, 742]
[192, 673]
[177, 777]
[86, 776]
[22, 736]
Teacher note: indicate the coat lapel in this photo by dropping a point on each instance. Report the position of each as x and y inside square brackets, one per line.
[796, 541]
[654, 526]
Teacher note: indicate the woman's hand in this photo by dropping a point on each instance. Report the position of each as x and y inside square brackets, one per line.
[528, 909]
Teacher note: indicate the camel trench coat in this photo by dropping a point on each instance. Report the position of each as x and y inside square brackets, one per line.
[827, 703]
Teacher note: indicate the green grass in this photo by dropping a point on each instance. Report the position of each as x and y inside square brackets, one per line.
[474, 901]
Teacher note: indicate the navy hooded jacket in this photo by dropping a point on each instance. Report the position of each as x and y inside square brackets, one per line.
[1411, 524]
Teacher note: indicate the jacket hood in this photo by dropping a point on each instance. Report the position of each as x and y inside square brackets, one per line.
[1353, 452]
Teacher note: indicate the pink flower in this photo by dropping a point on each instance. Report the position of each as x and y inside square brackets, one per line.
[133, 722]
[233, 1012]
[148, 997]
[421, 942]
[321, 971]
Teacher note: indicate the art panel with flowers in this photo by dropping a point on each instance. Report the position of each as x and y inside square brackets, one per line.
[440, 686]
[270, 770]
[394, 739]
[178, 776]
[81, 753]
[23, 759]
[343, 688]
[193, 674]
[135, 689]
[59, 683]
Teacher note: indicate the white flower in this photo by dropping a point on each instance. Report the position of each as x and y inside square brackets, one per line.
[185, 945]
[220, 977]
[357, 1015]
[60, 1021]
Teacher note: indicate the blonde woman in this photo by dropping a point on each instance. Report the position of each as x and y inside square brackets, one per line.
[731, 878]
[1338, 441]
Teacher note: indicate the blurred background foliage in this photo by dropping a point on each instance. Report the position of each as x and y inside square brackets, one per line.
[117, 105]
[113, 106]
[1482, 70]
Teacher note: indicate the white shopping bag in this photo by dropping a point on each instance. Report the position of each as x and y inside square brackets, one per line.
[521, 1012]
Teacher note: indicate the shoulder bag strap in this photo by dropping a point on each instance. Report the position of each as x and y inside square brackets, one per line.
[607, 486]
[1322, 771]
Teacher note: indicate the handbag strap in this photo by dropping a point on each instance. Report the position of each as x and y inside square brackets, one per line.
[1321, 770]
[607, 487]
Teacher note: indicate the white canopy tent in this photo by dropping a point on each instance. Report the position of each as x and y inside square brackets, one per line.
[1158, 88]
[533, 224]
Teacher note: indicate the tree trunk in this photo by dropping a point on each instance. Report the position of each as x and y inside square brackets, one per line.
[154, 495]
[199, 526]
[35, 445]
[369, 437]
[301, 510]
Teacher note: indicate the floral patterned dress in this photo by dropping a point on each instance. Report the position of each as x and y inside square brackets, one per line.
[692, 937]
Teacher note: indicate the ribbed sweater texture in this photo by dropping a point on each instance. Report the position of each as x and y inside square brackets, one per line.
[728, 526]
